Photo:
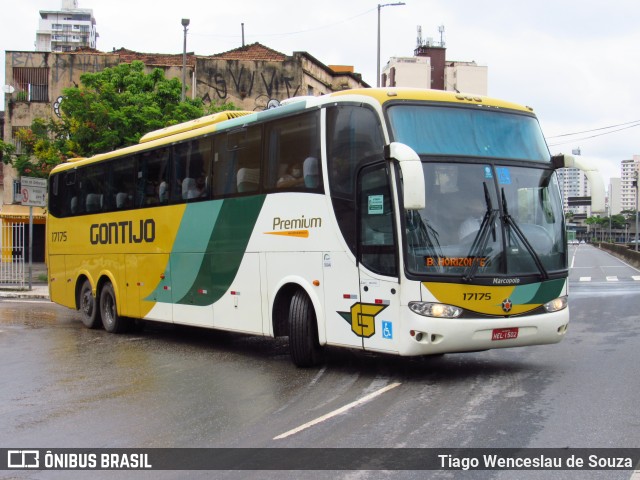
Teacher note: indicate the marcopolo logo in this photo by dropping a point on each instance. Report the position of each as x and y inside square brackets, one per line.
[506, 281]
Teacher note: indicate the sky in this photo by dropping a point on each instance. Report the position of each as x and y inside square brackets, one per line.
[576, 63]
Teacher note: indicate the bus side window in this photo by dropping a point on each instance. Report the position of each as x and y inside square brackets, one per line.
[94, 188]
[192, 168]
[121, 181]
[224, 168]
[246, 144]
[293, 153]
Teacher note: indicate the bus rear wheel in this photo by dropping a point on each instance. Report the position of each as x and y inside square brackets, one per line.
[88, 306]
[303, 331]
[112, 322]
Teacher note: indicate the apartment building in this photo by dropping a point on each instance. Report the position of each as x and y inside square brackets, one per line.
[67, 29]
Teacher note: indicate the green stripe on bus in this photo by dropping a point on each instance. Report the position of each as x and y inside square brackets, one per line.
[548, 291]
[224, 252]
[209, 247]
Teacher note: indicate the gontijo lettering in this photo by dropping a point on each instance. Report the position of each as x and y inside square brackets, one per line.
[122, 232]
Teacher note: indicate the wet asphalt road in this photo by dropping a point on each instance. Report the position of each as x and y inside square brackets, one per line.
[66, 386]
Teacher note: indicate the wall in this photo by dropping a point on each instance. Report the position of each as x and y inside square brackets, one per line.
[249, 84]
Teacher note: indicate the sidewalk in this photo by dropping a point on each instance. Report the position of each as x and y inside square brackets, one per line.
[39, 288]
[38, 291]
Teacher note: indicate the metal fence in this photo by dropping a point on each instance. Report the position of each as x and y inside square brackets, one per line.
[12, 254]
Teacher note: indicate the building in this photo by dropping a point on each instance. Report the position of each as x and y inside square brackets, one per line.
[429, 68]
[615, 195]
[407, 72]
[67, 29]
[574, 184]
[466, 77]
[628, 190]
[252, 77]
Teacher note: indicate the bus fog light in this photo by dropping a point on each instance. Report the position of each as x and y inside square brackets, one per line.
[557, 304]
[438, 310]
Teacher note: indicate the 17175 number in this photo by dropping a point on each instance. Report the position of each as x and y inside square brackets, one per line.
[59, 237]
[477, 296]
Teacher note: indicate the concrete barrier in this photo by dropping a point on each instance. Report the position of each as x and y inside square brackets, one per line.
[622, 251]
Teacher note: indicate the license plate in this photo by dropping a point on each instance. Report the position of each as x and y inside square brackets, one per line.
[504, 334]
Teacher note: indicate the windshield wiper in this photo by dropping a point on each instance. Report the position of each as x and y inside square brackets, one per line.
[510, 222]
[423, 235]
[482, 237]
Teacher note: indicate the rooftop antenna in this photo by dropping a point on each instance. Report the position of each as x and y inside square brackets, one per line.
[441, 30]
[419, 36]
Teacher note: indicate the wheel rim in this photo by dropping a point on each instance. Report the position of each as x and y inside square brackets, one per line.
[87, 303]
[108, 310]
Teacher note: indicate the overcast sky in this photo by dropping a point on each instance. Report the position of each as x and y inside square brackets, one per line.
[575, 62]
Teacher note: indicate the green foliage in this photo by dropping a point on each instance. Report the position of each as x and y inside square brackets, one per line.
[617, 221]
[110, 109]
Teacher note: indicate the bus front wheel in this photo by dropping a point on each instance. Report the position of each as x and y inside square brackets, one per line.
[112, 322]
[88, 305]
[303, 331]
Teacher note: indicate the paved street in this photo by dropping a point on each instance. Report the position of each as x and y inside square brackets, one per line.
[66, 386]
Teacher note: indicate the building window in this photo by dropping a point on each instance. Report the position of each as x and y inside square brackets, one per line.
[17, 143]
[34, 82]
[17, 194]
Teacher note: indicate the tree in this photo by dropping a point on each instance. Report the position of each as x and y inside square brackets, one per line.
[110, 109]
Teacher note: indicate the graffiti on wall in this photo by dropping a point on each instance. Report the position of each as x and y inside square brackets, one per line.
[68, 67]
[64, 67]
[267, 86]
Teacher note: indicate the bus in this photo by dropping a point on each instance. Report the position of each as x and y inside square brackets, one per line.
[402, 221]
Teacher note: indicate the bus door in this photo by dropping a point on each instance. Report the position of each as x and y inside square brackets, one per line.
[377, 261]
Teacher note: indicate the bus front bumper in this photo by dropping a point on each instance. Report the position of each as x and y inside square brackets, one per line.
[426, 335]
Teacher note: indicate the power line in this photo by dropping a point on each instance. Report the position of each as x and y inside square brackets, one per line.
[595, 129]
[635, 124]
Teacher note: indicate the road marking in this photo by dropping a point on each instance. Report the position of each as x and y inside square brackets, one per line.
[612, 279]
[585, 279]
[339, 411]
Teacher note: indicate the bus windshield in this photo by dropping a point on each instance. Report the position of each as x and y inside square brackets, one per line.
[469, 132]
[486, 219]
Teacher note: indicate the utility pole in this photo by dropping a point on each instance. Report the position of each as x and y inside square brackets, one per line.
[185, 24]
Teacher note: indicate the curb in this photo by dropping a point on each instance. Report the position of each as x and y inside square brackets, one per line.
[36, 293]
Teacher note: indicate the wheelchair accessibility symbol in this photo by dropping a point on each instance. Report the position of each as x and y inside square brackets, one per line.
[387, 330]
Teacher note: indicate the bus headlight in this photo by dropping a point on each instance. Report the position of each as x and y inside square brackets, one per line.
[438, 310]
[559, 303]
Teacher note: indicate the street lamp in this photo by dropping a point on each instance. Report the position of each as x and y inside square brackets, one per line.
[379, 8]
[185, 24]
[637, 203]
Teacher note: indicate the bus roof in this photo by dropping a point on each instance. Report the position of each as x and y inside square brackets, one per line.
[234, 118]
[384, 95]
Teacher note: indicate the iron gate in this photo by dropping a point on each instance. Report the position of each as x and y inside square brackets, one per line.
[13, 252]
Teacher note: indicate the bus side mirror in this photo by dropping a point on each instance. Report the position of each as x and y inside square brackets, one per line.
[412, 174]
[592, 173]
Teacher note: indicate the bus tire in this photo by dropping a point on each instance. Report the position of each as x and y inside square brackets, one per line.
[88, 306]
[303, 331]
[112, 322]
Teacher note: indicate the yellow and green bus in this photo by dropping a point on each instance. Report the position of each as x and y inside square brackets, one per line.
[403, 221]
